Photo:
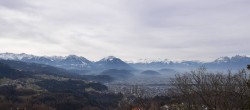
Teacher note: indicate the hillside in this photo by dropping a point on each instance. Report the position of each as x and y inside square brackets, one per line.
[44, 86]
[150, 73]
[117, 74]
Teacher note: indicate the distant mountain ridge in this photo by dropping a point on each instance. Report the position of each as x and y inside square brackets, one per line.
[148, 60]
[71, 62]
[234, 63]
[18, 69]
[80, 63]
[68, 62]
[110, 62]
[150, 72]
[117, 74]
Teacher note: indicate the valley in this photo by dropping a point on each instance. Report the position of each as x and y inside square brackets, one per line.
[73, 82]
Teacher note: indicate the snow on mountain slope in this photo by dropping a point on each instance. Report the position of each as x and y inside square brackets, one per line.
[148, 60]
[12, 56]
[111, 62]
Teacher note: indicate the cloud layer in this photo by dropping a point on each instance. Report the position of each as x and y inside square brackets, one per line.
[129, 29]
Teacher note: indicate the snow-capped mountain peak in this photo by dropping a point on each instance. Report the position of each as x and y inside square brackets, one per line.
[55, 58]
[12, 56]
[109, 58]
[222, 60]
[230, 59]
[76, 59]
[147, 61]
[238, 57]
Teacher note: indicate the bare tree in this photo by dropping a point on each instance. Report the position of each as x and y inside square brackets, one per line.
[200, 89]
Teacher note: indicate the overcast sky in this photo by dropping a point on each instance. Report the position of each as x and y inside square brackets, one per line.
[128, 29]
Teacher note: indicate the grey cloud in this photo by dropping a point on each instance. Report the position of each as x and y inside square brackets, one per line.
[175, 29]
[12, 3]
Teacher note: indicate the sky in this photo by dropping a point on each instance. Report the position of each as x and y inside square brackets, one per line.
[129, 29]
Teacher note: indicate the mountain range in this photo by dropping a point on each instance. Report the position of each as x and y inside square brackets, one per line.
[79, 63]
[223, 63]
[70, 62]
